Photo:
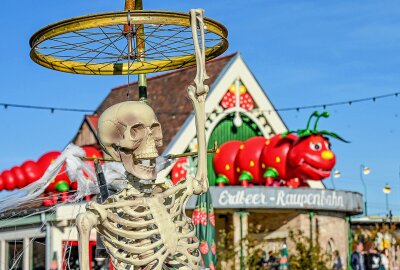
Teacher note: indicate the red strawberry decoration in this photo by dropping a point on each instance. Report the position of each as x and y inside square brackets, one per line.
[229, 100]
[203, 215]
[64, 196]
[224, 163]
[211, 218]
[248, 160]
[213, 248]
[179, 171]
[196, 216]
[293, 182]
[274, 157]
[203, 247]
[246, 102]
[47, 201]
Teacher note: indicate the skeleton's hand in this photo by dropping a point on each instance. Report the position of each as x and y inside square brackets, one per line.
[198, 93]
[200, 183]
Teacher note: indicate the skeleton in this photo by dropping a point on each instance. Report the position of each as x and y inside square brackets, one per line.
[144, 226]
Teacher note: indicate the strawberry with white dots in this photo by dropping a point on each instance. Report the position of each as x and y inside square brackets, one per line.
[179, 171]
[245, 100]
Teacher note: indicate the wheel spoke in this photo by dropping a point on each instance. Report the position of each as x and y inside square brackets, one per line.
[103, 49]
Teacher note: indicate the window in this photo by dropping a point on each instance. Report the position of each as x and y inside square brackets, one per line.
[38, 254]
[14, 254]
[71, 257]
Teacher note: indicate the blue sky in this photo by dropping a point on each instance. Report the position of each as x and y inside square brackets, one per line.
[301, 52]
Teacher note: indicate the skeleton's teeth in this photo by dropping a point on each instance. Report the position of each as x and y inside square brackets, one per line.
[145, 162]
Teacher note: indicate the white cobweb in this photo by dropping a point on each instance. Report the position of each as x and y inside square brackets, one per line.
[21, 241]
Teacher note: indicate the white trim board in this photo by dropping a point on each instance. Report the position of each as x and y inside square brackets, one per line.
[236, 68]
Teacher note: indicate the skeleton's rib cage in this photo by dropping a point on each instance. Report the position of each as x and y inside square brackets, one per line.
[141, 231]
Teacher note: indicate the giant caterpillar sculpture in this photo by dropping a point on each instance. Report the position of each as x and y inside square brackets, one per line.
[286, 159]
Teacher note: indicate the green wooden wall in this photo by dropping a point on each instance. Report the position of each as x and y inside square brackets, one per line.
[227, 131]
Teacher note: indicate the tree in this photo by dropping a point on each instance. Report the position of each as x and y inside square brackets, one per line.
[307, 254]
[227, 250]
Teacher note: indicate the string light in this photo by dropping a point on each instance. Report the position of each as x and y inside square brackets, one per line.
[297, 108]
[51, 109]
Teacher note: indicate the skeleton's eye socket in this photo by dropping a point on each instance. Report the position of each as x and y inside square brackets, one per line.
[157, 134]
[138, 131]
[115, 134]
[156, 131]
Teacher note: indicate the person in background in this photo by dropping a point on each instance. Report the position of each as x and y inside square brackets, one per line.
[373, 259]
[337, 261]
[272, 262]
[357, 257]
[385, 259]
[256, 262]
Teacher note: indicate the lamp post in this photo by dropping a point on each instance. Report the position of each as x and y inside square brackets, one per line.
[387, 190]
[335, 174]
[364, 170]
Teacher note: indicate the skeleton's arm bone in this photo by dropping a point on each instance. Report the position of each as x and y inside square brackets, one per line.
[197, 95]
[84, 223]
[200, 181]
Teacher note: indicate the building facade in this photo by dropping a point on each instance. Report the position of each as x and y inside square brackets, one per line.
[237, 108]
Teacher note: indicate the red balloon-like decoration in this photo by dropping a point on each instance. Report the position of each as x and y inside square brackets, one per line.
[45, 160]
[19, 177]
[1, 183]
[31, 171]
[9, 180]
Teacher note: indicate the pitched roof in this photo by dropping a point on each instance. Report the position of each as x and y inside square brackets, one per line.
[93, 120]
[167, 95]
[86, 134]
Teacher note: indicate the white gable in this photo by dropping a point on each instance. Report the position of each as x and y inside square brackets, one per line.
[235, 69]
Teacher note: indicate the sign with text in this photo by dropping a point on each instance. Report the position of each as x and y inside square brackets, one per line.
[232, 197]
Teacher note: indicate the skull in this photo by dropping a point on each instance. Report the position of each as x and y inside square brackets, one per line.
[130, 132]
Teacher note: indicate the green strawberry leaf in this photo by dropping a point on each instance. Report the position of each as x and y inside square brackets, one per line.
[246, 176]
[271, 172]
[304, 132]
[222, 179]
[62, 186]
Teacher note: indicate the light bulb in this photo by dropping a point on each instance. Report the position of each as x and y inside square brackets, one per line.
[237, 121]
